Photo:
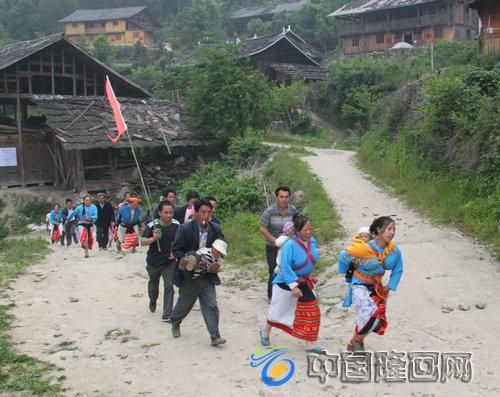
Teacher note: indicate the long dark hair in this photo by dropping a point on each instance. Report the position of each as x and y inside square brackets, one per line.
[380, 224]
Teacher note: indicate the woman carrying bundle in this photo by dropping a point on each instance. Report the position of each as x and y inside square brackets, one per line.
[56, 220]
[370, 261]
[294, 307]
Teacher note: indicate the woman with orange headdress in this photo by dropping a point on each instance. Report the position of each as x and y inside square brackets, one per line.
[371, 260]
[128, 221]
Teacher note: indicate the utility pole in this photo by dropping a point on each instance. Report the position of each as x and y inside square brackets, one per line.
[432, 56]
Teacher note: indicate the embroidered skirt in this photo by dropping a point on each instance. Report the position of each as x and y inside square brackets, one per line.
[370, 310]
[300, 317]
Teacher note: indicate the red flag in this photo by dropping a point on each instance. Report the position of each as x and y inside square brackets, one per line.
[115, 105]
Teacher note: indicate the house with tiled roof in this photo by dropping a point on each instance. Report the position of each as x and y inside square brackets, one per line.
[241, 17]
[284, 57]
[375, 25]
[55, 119]
[127, 25]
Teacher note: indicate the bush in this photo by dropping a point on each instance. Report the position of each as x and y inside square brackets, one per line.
[247, 151]
[233, 193]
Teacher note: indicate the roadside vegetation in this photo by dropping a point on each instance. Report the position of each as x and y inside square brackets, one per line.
[20, 373]
[430, 135]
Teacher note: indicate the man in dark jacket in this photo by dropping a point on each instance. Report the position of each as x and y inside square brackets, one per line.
[191, 236]
[105, 216]
[183, 213]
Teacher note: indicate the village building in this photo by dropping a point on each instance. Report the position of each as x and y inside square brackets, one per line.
[55, 119]
[265, 13]
[376, 25]
[489, 12]
[128, 25]
[284, 57]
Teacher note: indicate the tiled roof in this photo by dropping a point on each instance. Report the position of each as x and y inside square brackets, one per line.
[104, 14]
[362, 6]
[255, 12]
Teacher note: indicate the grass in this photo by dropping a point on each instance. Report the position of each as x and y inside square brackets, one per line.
[286, 169]
[20, 372]
[441, 197]
[324, 139]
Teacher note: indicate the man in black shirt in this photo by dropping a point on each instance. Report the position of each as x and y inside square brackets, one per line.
[161, 263]
[105, 217]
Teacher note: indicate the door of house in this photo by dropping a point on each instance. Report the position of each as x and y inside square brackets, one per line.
[38, 162]
[408, 38]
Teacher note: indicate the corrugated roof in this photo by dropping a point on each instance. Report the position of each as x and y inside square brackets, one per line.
[269, 10]
[103, 14]
[12, 53]
[258, 44]
[363, 6]
[82, 123]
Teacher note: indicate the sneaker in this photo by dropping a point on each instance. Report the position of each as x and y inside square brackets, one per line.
[217, 341]
[152, 306]
[176, 330]
[187, 263]
[165, 318]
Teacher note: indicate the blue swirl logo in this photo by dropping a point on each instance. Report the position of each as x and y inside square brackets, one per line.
[276, 370]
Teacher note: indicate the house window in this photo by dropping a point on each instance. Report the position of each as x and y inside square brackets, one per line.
[103, 24]
[75, 25]
[140, 19]
[136, 34]
[438, 32]
[90, 24]
[115, 23]
[398, 36]
[355, 41]
[380, 39]
[118, 37]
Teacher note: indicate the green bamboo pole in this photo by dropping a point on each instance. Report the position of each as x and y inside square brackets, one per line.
[142, 181]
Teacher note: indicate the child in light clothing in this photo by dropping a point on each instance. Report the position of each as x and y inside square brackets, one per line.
[288, 232]
[204, 260]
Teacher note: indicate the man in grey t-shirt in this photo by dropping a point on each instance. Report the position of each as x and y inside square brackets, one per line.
[271, 226]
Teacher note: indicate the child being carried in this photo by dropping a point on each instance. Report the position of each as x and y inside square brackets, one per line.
[205, 260]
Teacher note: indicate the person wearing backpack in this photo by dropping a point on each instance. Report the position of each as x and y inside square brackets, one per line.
[294, 307]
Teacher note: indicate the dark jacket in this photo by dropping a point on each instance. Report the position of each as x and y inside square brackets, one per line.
[188, 239]
[105, 215]
[180, 213]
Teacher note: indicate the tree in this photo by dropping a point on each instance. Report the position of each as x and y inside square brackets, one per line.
[103, 50]
[4, 36]
[225, 98]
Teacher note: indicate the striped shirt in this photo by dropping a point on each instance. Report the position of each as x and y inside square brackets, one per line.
[273, 220]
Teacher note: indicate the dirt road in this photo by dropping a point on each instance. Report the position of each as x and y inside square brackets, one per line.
[90, 316]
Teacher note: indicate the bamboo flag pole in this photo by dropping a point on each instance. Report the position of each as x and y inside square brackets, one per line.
[122, 128]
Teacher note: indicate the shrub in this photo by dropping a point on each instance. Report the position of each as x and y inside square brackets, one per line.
[233, 193]
[246, 151]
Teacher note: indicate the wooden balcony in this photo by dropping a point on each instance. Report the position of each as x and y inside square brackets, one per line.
[395, 24]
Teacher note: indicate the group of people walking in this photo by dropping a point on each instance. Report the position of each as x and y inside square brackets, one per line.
[186, 246]
[292, 252]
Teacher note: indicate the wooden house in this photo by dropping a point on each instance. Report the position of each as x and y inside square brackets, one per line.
[284, 57]
[265, 13]
[374, 25]
[489, 12]
[55, 119]
[128, 25]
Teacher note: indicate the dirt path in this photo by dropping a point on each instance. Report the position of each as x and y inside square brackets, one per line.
[90, 316]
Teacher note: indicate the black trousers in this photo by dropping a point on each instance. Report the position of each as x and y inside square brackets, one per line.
[102, 235]
[271, 254]
[165, 271]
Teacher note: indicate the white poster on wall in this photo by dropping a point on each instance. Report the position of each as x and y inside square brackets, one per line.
[8, 157]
